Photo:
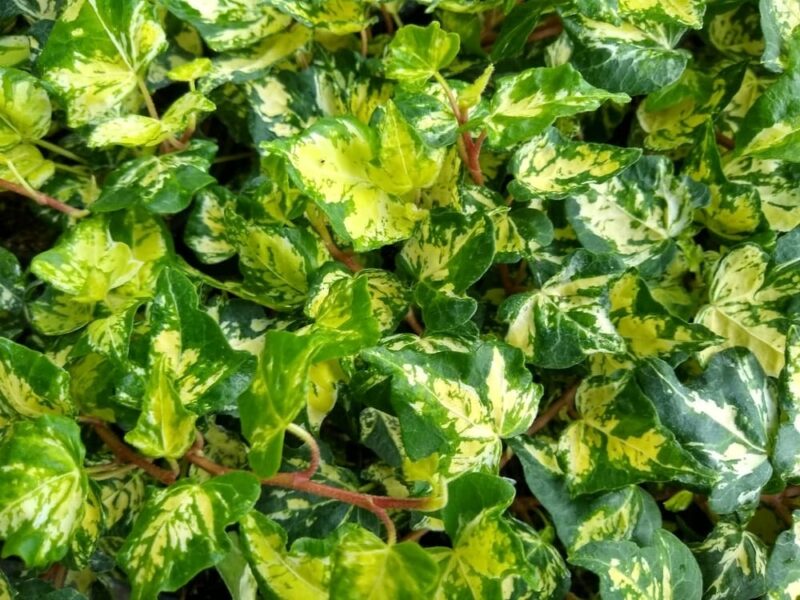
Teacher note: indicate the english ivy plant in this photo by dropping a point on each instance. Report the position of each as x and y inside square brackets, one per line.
[448, 299]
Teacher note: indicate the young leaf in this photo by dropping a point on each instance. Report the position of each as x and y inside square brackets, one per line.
[24, 109]
[417, 53]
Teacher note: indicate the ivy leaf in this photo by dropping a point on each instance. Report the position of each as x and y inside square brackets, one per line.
[30, 385]
[783, 575]
[97, 53]
[525, 104]
[663, 569]
[331, 164]
[337, 16]
[683, 12]
[567, 319]
[780, 200]
[779, 18]
[205, 231]
[229, 24]
[24, 109]
[163, 184]
[42, 488]
[725, 418]
[553, 166]
[236, 572]
[416, 53]
[785, 458]
[181, 531]
[24, 164]
[733, 563]
[12, 289]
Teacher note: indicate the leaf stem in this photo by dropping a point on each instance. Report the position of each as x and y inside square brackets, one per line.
[364, 43]
[550, 28]
[724, 141]
[313, 447]
[148, 99]
[469, 149]
[318, 223]
[413, 322]
[43, 199]
[566, 399]
[59, 150]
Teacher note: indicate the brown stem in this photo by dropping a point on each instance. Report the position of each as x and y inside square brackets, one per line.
[775, 502]
[126, 454]
[148, 99]
[473, 149]
[43, 199]
[364, 43]
[550, 28]
[388, 22]
[412, 321]
[566, 399]
[417, 535]
[313, 447]
[724, 141]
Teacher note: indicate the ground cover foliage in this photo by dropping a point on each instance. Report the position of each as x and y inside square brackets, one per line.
[441, 299]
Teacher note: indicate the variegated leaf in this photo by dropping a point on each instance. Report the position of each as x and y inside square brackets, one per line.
[331, 163]
[567, 319]
[337, 16]
[779, 19]
[775, 182]
[97, 54]
[30, 385]
[661, 570]
[785, 458]
[725, 418]
[551, 165]
[680, 12]
[24, 109]
[416, 54]
[162, 184]
[181, 531]
[88, 530]
[783, 574]
[236, 572]
[12, 289]
[206, 233]
[733, 563]
[525, 104]
[24, 164]
[42, 488]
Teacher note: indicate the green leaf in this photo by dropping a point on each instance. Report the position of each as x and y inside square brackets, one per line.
[783, 575]
[774, 181]
[181, 531]
[567, 319]
[162, 184]
[725, 418]
[525, 104]
[206, 232]
[24, 164]
[12, 289]
[332, 164]
[785, 458]
[96, 55]
[661, 570]
[337, 16]
[682, 12]
[551, 165]
[416, 53]
[779, 19]
[230, 24]
[24, 109]
[733, 563]
[42, 488]
[236, 572]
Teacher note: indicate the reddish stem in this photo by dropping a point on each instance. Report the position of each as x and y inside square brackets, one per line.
[43, 199]
[724, 141]
[412, 321]
[566, 399]
[313, 447]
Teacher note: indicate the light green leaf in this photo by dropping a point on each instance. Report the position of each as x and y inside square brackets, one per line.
[733, 563]
[551, 165]
[362, 563]
[24, 164]
[340, 17]
[785, 458]
[680, 12]
[86, 263]
[96, 54]
[331, 164]
[206, 232]
[774, 181]
[779, 19]
[30, 385]
[181, 531]
[416, 53]
[24, 109]
[236, 572]
[567, 319]
[624, 57]
[525, 104]
[725, 418]
[783, 574]
[665, 569]
[163, 183]
[42, 488]
[229, 24]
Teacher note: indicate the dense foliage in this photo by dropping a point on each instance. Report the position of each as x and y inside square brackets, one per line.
[440, 299]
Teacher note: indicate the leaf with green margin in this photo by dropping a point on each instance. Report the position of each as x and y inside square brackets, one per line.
[340, 17]
[206, 233]
[162, 184]
[680, 12]
[407, 163]
[236, 572]
[25, 164]
[282, 104]
[108, 336]
[779, 19]
[771, 128]
[181, 531]
[736, 31]
[431, 116]
[733, 563]
[725, 418]
[567, 319]
[122, 498]
[416, 53]
[619, 439]
[12, 289]
[527, 103]
[363, 563]
[30, 385]
[639, 214]
[661, 570]
[24, 108]
[554, 166]
[625, 514]
[785, 458]
[520, 233]
[331, 163]
[624, 57]
[783, 574]
[301, 573]
[515, 29]
[86, 263]
[42, 488]
[229, 24]
[87, 532]
[746, 299]
[469, 401]
[95, 55]
[775, 182]
[647, 326]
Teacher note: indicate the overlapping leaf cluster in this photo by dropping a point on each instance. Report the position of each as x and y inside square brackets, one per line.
[528, 271]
